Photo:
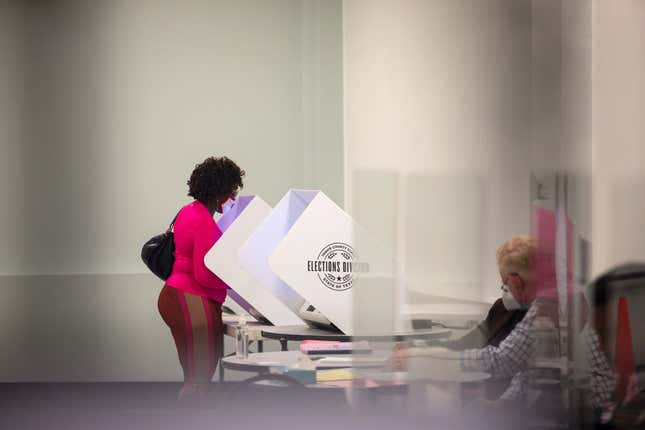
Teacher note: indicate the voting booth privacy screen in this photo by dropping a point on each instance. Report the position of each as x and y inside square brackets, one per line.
[255, 252]
[237, 225]
[313, 252]
[233, 301]
[301, 262]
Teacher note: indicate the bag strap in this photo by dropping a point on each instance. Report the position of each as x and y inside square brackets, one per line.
[172, 224]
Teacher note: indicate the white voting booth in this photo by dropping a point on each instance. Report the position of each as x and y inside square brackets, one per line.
[237, 224]
[233, 300]
[305, 253]
[253, 255]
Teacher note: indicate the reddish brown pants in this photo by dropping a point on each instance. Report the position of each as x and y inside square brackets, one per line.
[196, 325]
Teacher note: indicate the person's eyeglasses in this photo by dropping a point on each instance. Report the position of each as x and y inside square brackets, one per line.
[511, 274]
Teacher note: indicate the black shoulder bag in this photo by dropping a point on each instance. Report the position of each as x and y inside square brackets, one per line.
[158, 253]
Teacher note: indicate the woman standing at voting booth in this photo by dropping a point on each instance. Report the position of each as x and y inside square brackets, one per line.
[190, 302]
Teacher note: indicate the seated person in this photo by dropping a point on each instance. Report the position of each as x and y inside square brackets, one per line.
[516, 262]
[502, 317]
[510, 358]
[626, 408]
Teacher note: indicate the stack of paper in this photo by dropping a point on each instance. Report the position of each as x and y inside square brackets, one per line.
[323, 347]
[334, 375]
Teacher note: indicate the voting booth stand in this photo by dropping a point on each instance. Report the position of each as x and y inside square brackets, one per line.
[237, 224]
[304, 252]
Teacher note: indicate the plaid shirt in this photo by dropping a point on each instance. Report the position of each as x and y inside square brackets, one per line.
[603, 379]
[512, 356]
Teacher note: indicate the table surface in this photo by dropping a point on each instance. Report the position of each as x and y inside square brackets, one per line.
[368, 366]
[297, 333]
[430, 374]
[261, 361]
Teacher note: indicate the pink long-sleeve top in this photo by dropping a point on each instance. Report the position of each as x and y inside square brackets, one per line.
[195, 233]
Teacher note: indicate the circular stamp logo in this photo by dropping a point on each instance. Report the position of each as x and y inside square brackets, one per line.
[334, 266]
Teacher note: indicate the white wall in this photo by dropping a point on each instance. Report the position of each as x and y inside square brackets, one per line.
[437, 111]
[618, 133]
[114, 104]
[576, 99]
[122, 99]
[618, 147]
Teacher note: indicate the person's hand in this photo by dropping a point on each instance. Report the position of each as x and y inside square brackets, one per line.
[398, 360]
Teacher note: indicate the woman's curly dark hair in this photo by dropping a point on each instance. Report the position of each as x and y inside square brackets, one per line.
[215, 179]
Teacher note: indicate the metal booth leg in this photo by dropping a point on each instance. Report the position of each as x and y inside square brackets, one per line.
[221, 356]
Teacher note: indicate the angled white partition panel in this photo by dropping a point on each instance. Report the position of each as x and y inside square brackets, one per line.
[254, 254]
[233, 300]
[237, 225]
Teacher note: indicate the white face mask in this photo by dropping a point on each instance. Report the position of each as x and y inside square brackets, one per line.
[227, 205]
[510, 303]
